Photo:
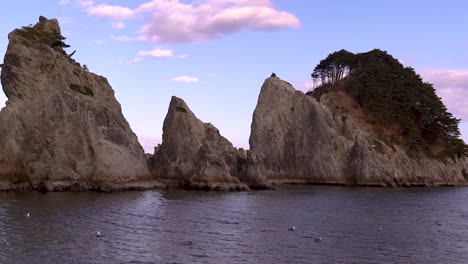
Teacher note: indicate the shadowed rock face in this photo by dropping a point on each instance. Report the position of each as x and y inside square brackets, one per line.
[297, 139]
[194, 155]
[62, 128]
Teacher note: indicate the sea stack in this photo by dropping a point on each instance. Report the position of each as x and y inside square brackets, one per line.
[194, 155]
[296, 138]
[62, 128]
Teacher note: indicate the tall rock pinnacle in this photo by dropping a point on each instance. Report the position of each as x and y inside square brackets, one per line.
[62, 128]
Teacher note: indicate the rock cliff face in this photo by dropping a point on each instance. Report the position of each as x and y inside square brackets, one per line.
[194, 155]
[296, 139]
[62, 128]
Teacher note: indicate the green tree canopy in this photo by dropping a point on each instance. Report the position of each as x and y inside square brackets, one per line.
[395, 96]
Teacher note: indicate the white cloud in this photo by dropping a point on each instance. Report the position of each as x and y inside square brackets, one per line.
[185, 79]
[174, 21]
[85, 3]
[109, 11]
[63, 2]
[121, 38]
[134, 60]
[182, 56]
[118, 25]
[452, 87]
[156, 53]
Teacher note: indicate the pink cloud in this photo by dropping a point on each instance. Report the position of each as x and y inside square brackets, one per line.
[185, 79]
[452, 87]
[118, 25]
[110, 12]
[156, 53]
[121, 38]
[173, 21]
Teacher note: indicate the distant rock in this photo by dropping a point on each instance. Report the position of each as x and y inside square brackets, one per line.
[194, 155]
[62, 128]
[297, 139]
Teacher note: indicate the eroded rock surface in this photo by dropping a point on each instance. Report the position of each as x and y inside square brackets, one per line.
[296, 139]
[194, 155]
[62, 128]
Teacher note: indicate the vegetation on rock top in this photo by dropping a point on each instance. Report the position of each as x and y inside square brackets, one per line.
[395, 98]
[51, 38]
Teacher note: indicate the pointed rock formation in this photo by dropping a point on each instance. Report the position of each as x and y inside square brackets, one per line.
[194, 155]
[62, 128]
[296, 139]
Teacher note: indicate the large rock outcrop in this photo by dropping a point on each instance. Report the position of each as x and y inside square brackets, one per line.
[194, 155]
[297, 139]
[62, 128]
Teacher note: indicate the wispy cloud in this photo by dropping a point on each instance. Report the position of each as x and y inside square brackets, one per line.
[63, 2]
[185, 79]
[156, 53]
[452, 87]
[85, 3]
[118, 25]
[110, 11]
[122, 38]
[134, 60]
[176, 21]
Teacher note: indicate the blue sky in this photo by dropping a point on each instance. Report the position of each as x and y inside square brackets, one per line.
[215, 54]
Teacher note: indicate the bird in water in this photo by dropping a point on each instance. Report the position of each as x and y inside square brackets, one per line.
[379, 229]
[98, 234]
[292, 228]
[188, 243]
[27, 215]
[318, 239]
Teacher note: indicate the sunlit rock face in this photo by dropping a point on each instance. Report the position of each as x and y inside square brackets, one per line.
[194, 155]
[62, 128]
[297, 139]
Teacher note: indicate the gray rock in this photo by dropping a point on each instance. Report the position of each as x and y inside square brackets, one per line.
[194, 155]
[296, 139]
[62, 128]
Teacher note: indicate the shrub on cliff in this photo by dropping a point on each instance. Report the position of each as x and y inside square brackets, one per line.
[396, 97]
[53, 39]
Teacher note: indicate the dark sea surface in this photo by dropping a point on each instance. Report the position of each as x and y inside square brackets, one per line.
[418, 225]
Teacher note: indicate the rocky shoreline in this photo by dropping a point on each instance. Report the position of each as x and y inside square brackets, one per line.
[63, 130]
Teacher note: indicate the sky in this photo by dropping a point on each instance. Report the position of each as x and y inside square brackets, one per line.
[215, 54]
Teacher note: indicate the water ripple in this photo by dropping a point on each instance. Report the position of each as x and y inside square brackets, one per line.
[417, 226]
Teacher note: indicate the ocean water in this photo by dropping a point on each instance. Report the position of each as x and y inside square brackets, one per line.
[355, 224]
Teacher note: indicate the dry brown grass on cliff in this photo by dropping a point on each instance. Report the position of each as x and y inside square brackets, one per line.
[388, 134]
